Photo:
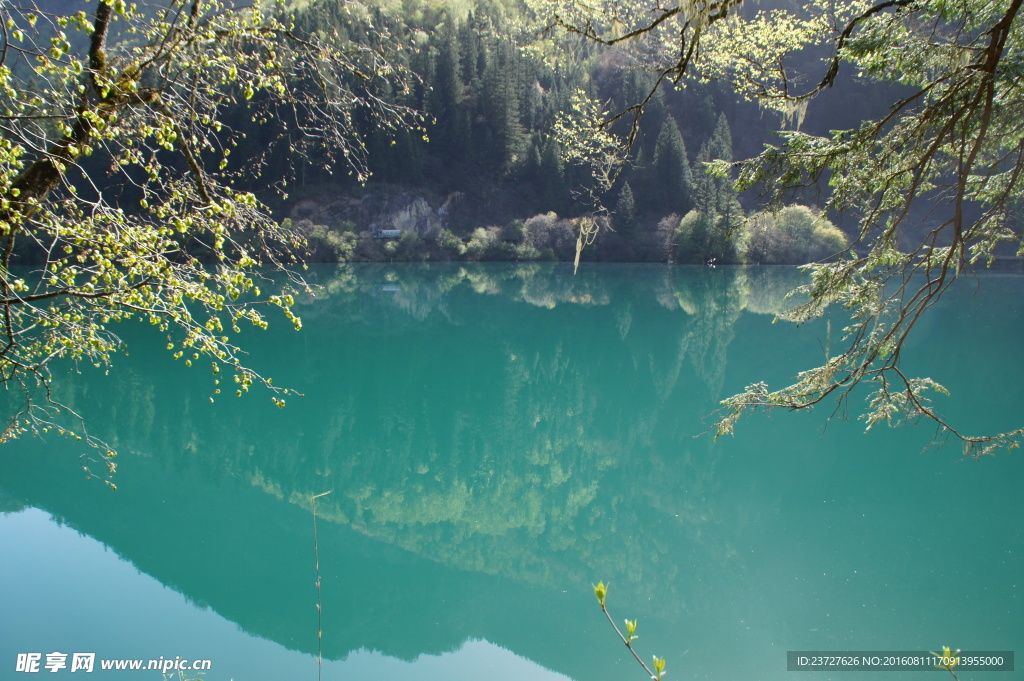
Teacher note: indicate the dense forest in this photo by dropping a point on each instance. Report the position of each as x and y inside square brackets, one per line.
[485, 178]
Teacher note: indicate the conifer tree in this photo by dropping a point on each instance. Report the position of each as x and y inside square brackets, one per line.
[551, 178]
[625, 209]
[509, 141]
[451, 130]
[670, 176]
[472, 49]
[719, 148]
[712, 231]
[705, 189]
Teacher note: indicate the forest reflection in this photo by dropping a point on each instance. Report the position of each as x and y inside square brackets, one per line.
[496, 439]
[482, 430]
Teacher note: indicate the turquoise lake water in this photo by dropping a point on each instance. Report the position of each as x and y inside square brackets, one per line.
[497, 439]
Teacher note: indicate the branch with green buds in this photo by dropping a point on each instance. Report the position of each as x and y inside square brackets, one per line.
[601, 591]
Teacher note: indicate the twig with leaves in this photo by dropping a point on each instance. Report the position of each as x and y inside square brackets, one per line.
[601, 591]
[948, 660]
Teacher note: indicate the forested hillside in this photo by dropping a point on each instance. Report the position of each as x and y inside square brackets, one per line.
[483, 176]
[487, 171]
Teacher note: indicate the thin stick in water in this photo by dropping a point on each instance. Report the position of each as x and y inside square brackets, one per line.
[319, 608]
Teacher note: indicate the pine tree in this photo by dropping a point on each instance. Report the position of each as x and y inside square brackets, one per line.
[469, 39]
[719, 148]
[450, 135]
[625, 209]
[551, 177]
[502, 111]
[716, 203]
[670, 177]
[705, 191]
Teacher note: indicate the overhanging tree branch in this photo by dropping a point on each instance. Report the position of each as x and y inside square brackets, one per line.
[955, 143]
[188, 252]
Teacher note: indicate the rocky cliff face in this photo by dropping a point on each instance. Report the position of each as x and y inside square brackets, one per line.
[401, 210]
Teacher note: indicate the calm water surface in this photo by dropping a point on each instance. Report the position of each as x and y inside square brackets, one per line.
[497, 439]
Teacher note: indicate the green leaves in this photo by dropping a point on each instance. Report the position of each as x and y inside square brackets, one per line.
[601, 591]
[585, 141]
[943, 146]
[153, 103]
